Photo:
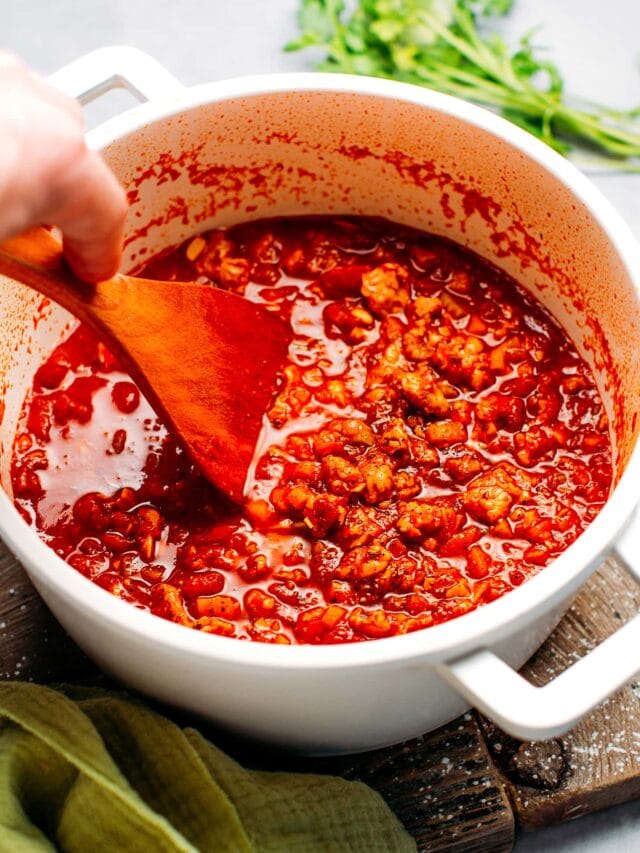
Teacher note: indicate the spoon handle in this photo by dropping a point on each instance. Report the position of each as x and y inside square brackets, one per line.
[35, 258]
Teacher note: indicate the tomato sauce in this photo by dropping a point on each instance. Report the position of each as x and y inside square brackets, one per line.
[435, 440]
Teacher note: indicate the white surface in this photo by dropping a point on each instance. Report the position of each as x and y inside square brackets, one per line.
[596, 45]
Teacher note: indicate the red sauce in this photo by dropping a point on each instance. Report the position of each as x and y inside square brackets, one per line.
[435, 441]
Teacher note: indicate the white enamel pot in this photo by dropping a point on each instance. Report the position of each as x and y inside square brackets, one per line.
[299, 144]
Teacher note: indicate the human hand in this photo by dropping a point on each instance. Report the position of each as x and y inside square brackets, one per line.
[48, 175]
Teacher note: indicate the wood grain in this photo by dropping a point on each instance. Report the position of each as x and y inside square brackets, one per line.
[33, 646]
[443, 786]
[597, 764]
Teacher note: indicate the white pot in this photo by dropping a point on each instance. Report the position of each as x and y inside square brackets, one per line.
[287, 144]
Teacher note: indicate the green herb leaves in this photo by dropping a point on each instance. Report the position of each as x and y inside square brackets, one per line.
[444, 45]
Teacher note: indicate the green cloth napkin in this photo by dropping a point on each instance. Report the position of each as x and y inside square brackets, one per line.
[89, 770]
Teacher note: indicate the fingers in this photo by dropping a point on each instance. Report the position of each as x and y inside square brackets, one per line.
[47, 174]
[90, 208]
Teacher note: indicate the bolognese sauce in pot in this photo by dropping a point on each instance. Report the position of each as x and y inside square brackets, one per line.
[435, 440]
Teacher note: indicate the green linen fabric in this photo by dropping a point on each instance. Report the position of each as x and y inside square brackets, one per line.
[89, 770]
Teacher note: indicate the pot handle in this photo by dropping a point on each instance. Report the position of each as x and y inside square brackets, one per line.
[536, 713]
[117, 67]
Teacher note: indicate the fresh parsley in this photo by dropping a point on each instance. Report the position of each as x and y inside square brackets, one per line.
[446, 45]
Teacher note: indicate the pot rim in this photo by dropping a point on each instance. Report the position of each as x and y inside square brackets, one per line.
[513, 611]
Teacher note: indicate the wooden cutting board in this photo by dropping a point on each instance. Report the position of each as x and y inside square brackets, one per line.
[463, 788]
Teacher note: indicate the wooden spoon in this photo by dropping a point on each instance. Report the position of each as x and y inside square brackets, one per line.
[206, 360]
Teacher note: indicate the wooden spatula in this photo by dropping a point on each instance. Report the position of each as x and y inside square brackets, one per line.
[207, 360]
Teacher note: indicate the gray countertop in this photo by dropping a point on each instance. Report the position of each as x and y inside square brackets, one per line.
[596, 44]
